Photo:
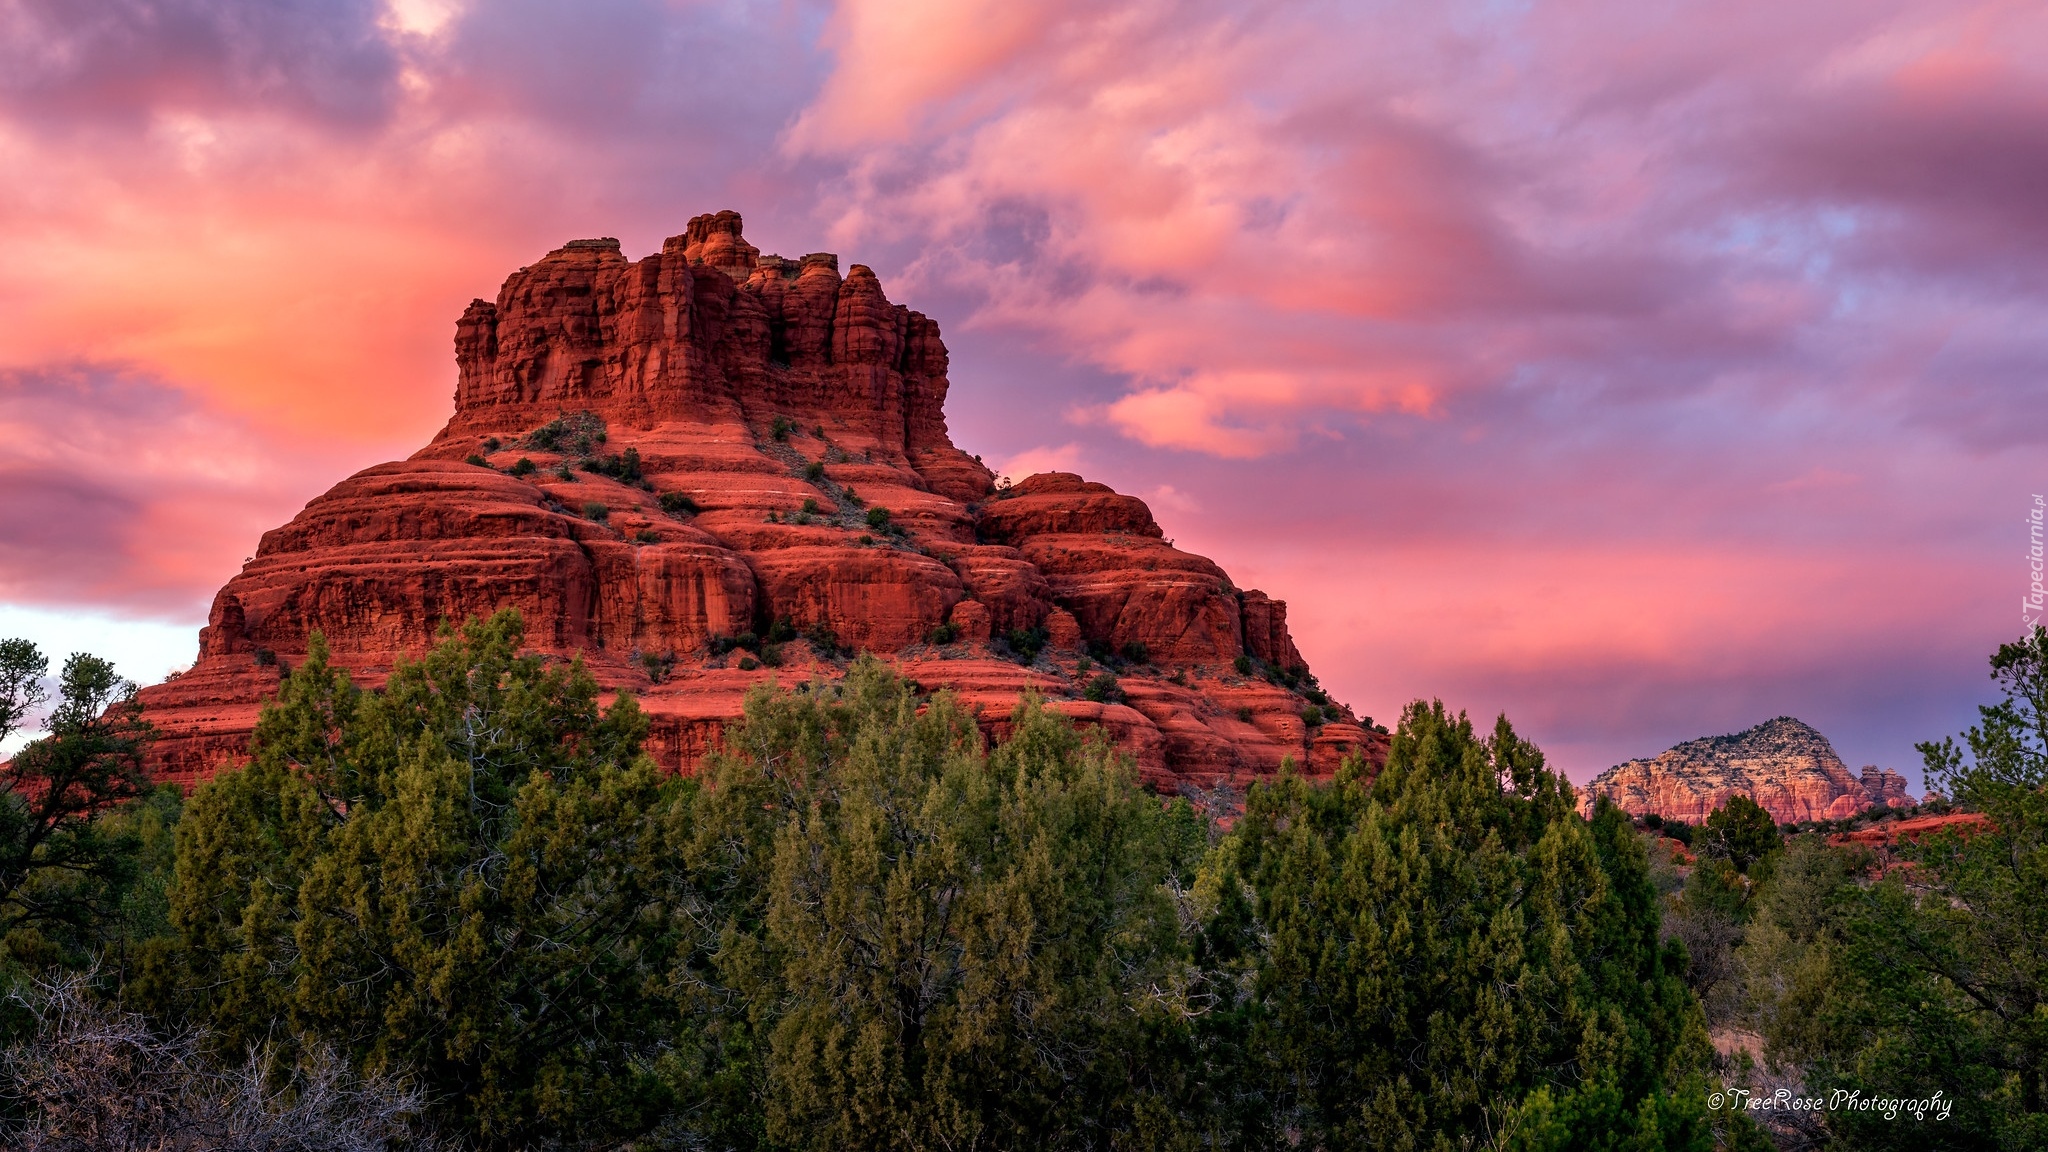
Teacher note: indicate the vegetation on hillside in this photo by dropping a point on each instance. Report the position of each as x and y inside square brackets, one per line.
[467, 910]
[1917, 971]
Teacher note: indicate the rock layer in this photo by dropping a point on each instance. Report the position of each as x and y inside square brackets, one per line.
[1785, 766]
[656, 460]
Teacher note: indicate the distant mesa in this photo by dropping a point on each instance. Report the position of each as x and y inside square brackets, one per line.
[1784, 765]
[711, 467]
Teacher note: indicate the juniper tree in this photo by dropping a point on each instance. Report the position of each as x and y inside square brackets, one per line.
[910, 943]
[456, 877]
[1448, 956]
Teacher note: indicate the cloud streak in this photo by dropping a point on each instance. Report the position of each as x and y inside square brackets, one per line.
[125, 492]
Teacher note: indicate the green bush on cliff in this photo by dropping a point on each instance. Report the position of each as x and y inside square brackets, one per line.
[571, 434]
[1103, 689]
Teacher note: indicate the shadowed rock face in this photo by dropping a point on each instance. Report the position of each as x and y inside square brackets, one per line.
[690, 447]
[1782, 764]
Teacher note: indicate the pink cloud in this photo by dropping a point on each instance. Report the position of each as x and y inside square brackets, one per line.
[1045, 458]
[1635, 368]
[130, 494]
[1263, 222]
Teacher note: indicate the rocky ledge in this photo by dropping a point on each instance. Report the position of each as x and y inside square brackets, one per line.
[709, 468]
[1785, 766]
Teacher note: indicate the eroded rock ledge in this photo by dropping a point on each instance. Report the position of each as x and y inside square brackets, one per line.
[710, 467]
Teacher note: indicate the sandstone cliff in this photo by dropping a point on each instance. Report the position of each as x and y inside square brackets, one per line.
[711, 467]
[1782, 764]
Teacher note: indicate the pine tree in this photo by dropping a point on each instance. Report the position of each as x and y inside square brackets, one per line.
[64, 871]
[1942, 979]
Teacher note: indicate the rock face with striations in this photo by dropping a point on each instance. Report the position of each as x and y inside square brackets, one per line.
[1785, 766]
[710, 467]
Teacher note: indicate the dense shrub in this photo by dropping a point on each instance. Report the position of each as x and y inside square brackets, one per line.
[968, 949]
[624, 466]
[1103, 689]
[571, 434]
[822, 638]
[1026, 643]
[720, 645]
[1740, 832]
[678, 504]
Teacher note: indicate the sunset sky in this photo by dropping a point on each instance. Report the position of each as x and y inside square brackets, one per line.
[1644, 370]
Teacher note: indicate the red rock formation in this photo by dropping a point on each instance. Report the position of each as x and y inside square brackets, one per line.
[1782, 764]
[647, 457]
[1886, 787]
[1914, 828]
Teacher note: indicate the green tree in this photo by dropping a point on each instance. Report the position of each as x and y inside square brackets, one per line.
[22, 668]
[64, 872]
[1942, 979]
[1737, 847]
[1741, 832]
[1448, 956]
[1788, 965]
[458, 876]
[911, 943]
